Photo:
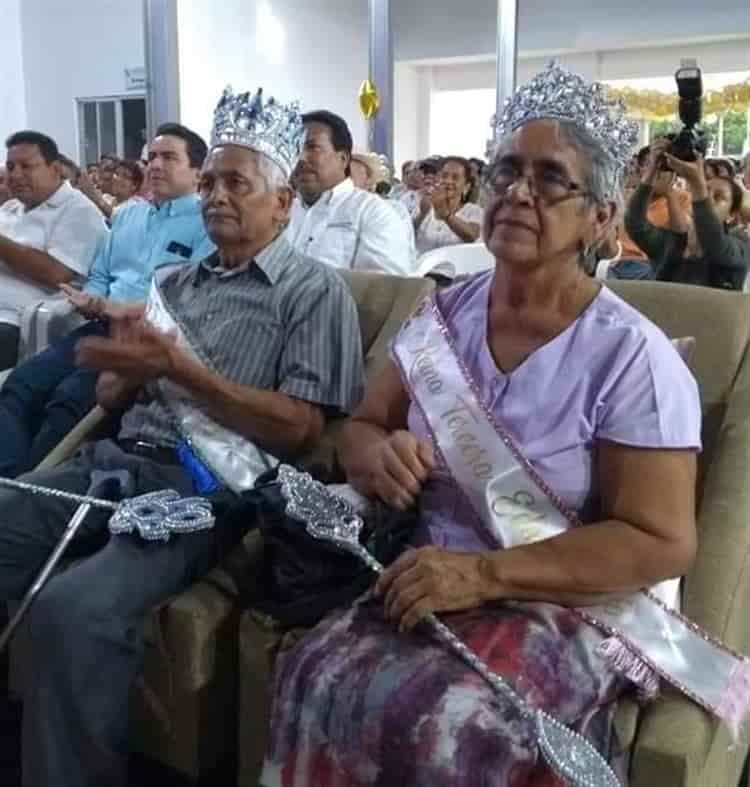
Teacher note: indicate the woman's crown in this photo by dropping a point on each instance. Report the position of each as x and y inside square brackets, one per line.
[559, 94]
[264, 125]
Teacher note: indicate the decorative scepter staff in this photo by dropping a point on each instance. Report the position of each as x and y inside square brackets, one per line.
[155, 516]
[331, 518]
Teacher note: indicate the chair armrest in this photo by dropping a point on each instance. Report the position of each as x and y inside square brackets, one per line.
[44, 322]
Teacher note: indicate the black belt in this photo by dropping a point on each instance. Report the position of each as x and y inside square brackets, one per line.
[156, 453]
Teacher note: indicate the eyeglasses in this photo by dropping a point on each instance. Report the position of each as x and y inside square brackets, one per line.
[546, 184]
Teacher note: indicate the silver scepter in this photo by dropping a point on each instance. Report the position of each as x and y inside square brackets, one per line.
[155, 516]
[329, 517]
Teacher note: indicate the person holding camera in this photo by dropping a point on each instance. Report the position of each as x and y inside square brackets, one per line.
[719, 255]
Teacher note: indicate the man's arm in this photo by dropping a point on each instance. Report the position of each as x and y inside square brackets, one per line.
[28, 263]
[384, 243]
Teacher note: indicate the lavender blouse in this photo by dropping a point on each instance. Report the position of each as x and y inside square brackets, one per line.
[610, 375]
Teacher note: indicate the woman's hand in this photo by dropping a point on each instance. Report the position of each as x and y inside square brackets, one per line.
[656, 155]
[429, 580]
[397, 467]
[693, 173]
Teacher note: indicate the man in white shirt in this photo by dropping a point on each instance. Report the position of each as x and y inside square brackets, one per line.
[333, 221]
[49, 233]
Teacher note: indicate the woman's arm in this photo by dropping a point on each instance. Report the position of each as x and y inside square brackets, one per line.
[468, 231]
[380, 457]
[719, 247]
[646, 534]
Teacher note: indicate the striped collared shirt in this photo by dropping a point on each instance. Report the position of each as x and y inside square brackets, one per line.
[280, 322]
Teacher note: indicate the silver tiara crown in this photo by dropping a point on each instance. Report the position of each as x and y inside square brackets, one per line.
[261, 124]
[559, 94]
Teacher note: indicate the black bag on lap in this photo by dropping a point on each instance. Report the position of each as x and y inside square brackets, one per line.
[300, 578]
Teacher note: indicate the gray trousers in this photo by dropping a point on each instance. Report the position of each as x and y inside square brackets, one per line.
[83, 629]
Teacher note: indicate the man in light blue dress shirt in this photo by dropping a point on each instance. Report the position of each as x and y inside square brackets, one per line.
[45, 396]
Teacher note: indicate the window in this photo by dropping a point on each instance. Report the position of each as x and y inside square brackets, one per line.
[111, 125]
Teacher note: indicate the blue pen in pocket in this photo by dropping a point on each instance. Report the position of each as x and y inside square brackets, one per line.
[204, 481]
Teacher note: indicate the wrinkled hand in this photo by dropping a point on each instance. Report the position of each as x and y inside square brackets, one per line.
[92, 307]
[135, 350]
[397, 467]
[693, 172]
[429, 580]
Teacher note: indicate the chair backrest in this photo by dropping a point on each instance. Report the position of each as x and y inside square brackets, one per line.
[720, 322]
[462, 259]
[383, 304]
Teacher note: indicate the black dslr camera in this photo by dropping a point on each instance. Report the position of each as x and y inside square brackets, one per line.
[691, 141]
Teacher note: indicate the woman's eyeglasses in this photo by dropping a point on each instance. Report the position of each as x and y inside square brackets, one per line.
[546, 184]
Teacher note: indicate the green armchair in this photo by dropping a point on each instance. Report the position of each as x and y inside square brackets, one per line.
[673, 742]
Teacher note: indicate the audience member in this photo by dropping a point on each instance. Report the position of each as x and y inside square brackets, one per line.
[669, 207]
[49, 233]
[477, 168]
[45, 396]
[127, 182]
[722, 254]
[266, 343]
[445, 217]
[4, 191]
[421, 175]
[334, 222]
[69, 170]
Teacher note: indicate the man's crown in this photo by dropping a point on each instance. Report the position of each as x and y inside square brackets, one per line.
[559, 94]
[264, 125]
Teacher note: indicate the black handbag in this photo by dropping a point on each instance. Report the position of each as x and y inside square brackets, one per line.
[300, 578]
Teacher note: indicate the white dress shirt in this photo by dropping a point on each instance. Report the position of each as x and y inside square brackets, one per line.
[67, 226]
[434, 233]
[351, 228]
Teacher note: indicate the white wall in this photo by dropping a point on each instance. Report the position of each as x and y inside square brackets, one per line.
[314, 51]
[75, 49]
[12, 95]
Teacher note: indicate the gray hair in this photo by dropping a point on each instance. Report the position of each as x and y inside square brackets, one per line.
[604, 178]
[272, 173]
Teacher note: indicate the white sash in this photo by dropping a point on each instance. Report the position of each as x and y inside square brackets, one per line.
[233, 460]
[515, 505]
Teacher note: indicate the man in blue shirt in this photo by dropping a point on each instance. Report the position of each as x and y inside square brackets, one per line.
[45, 396]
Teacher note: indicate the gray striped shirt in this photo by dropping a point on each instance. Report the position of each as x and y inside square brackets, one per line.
[281, 322]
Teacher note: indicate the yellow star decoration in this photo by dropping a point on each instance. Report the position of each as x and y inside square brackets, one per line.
[369, 100]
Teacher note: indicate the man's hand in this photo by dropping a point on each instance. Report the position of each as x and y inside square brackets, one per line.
[429, 580]
[397, 467]
[135, 351]
[693, 173]
[92, 307]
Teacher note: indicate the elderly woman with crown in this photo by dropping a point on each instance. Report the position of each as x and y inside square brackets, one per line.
[548, 433]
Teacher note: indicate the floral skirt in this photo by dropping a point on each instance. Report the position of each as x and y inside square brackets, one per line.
[359, 705]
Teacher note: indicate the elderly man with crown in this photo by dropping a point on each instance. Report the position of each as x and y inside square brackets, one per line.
[549, 433]
[236, 363]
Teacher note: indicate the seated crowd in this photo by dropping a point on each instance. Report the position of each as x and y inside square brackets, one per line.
[218, 331]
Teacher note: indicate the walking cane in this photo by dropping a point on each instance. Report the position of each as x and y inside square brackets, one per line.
[109, 484]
